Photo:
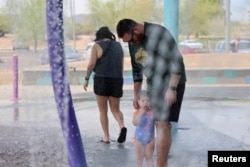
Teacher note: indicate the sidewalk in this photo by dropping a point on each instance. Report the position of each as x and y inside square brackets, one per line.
[193, 91]
[31, 133]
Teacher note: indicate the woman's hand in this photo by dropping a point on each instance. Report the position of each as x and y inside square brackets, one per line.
[85, 85]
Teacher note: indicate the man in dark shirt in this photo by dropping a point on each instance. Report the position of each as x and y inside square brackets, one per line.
[155, 54]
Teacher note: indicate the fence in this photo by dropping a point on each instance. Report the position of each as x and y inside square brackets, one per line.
[201, 69]
[6, 60]
[6, 67]
[26, 58]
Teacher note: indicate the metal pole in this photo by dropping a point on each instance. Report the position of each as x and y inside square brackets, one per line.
[228, 27]
[74, 24]
[171, 17]
[15, 77]
[171, 22]
[72, 9]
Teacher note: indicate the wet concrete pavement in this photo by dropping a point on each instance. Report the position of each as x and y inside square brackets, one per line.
[31, 134]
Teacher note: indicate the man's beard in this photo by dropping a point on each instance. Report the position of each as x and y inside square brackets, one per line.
[140, 39]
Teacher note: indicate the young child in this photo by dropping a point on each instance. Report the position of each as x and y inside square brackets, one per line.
[144, 134]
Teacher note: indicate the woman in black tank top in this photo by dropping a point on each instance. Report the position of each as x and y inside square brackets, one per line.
[106, 61]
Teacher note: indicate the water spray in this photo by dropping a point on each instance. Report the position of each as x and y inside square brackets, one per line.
[60, 82]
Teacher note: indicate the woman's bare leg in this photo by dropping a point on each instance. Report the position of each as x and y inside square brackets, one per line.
[115, 109]
[102, 102]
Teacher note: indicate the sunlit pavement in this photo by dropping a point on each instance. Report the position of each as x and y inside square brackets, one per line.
[31, 134]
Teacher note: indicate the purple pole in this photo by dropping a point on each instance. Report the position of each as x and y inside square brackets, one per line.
[60, 82]
[15, 77]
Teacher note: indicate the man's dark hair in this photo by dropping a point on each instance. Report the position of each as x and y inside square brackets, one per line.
[104, 32]
[124, 26]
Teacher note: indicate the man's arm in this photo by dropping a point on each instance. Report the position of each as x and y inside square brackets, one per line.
[171, 95]
[174, 81]
[137, 89]
[137, 72]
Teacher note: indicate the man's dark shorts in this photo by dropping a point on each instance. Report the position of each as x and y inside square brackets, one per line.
[162, 112]
[105, 86]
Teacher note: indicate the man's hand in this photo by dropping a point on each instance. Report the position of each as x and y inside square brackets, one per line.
[135, 103]
[170, 97]
[137, 89]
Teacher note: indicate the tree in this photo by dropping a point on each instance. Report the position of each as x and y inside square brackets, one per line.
[4, 21]
[196, 16]
[4, 24]
[108, 13]
[28, 20]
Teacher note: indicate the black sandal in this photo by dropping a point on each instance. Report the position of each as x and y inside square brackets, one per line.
[106, 142]
[122, 135]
